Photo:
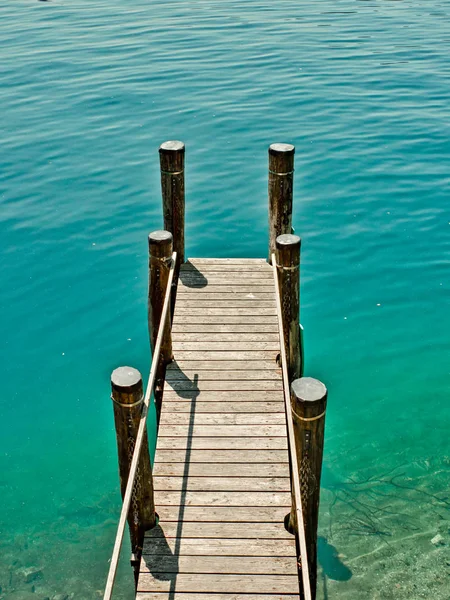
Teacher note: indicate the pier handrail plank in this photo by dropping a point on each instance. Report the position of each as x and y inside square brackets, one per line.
[139, 439]
[291, 445]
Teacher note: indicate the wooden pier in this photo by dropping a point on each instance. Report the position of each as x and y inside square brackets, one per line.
[235, 474]
[221, 471]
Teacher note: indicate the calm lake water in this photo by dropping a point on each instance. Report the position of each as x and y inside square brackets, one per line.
[89, 89]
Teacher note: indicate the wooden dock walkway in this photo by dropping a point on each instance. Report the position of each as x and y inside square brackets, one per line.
[240, 430]
[221, 470]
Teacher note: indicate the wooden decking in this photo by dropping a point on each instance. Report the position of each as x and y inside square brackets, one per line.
[221, 472]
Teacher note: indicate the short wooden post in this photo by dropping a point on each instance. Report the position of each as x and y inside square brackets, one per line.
[128, 396]
[281, 184]
[288, 268]
[308, 404]
[160, 245]
[171, 158]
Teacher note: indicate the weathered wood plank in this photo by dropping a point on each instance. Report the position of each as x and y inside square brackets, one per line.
[222, 484]
[252, 469]
[217, 407]
[218, 583]
[238, 565]
[224, 288]
[196, 302]
[249, 274]
[224, 514]
[224, 337]
[226, 280]
[211, 346]
[224, 431]
[222, 311]
[222, 456]
[221, 384]
[223, 365]
[224, 355]
[221, 443]
[219, 396]
[217, 547]
[176, 498]
[228, 267]
[227, 328]
[173, 418]
[221, 295]
[187, 596]
[223, 320]
[222, 374]
[219, 530]
[225, 261]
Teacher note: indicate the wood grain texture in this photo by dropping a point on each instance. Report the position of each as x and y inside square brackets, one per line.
[221, 471]
[223, 431]
[227, 346]
[219, 547]
[184, 336]
[189, 529]
[220, 443]
[251, 469]
[221, 396]
[231, 365]
[222, 484]
[249, 499]
[217, 407]
[233, 565]
[187, 596]
[222, 456]
[227, 354]
[223, 384]
[223, 418]
[222, 374]
[223, 514]
[218, 583]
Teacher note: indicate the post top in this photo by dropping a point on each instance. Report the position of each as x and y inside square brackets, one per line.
[126, 377]
[160, 237]
[281, 149]
[172, 146]
[288, 239]
[308, 389]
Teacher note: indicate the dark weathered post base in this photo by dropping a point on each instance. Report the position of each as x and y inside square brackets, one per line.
[308, 404]
[288, 268]
[128, 396]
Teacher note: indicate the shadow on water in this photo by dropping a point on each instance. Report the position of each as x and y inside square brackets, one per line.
[191, 277]
[331, 563]
[166, 567]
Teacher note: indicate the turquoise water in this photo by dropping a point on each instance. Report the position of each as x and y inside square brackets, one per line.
[89, 91]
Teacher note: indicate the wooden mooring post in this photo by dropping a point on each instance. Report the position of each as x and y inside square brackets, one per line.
[288, 268]
[308, 404]
[171, 159]
[128, 396]
[281, 185]
[160, 245]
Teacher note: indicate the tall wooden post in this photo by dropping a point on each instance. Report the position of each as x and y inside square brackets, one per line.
[171, 158]
[128, 396]
[281, 184]
[308, 404]
[160, 245]
[288, 268]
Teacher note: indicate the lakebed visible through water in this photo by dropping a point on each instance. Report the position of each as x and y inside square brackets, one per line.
[89, 91]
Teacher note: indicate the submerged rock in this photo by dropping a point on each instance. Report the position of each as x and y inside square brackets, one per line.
[438, 540]
[29, 574]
